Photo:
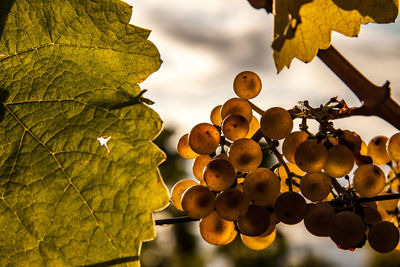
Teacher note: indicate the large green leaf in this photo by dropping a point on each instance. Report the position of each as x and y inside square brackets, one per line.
[69, 75]
[302, 27]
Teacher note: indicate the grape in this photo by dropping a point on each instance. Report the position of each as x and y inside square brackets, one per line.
[394, 147]
[184, 149]
[219, 174]
[237, 106]
[352, 140]
[347, 229]
[235, 127]
[177, 191]
[255, 222]
[258, 242]
[253, 127]
[291, 142]
[245, 154]
[290, 207]
[204, 138]
[217, 231]
[247, 85]
[311, 156]
[232, 204]
[272, 224]
[222, 156]
[377, 150]
[276, 123]
[315, 186]
[262, 186]
[340, 161]
[198, 201]
[215, 115]
[369, 180]
[370, 215]
[318, 218]
[258, 3]
[364, 148]
[383, 237]
[199, 164]
[281, 172]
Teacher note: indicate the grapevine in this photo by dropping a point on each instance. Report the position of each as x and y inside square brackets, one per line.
[330, 178]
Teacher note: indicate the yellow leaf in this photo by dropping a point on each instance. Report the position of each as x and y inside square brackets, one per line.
[302, 27]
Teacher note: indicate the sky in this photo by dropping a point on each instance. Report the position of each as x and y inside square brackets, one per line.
[204, 44]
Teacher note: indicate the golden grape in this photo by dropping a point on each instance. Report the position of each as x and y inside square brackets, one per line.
[245, 154]
[204, 138]
[255, 222]
[232, 204]
[394, 147]
[199, 164]
[369, 180]
[262, 186]
[177, 191]
[215, 115]
[318, 218]
[311, 156]
[290, 207]
[253, 127]
[377, 150]
[198, 201]
[237, 106]
[258, 242]
[315, 186]
[291, 142]
[383, 237]
[347, 229]
[235, 126]
[219, 174]
[247, 85]
[184, 149]
[340, 161]
[217, 231]
[276, 123]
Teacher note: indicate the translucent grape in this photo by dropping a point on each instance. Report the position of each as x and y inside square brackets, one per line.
[383, 237]
[290, 207]
[262, 186]
[311, 156]
[245, 154]
[247, 85]
[276, 123]
[394, 147]
[370, 215]
[215, 115]
[281, 172]
[291, 142]
[217, 231]
[235, 127]
[219, 174]
[204, 138]
[253, 127]
[199, 164]
[347, 229]
[177, 191]
[340, 161]
[352, 140]
[318, 219]
[369, 180]
[315, 186]
[237, 106]
[255, 222]
[232, 204]
[184, 149]
[377, 150]
[258, 242]
[198, 201]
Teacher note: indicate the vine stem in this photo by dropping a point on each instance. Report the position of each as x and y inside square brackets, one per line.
[376, 100]
[359, 200]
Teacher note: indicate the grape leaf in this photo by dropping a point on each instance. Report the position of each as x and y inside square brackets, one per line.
[78, 170]
[301, 27]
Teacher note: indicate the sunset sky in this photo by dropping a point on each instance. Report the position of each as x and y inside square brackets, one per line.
[204, 44]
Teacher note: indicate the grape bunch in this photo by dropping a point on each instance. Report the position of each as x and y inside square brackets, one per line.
[332, 180]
